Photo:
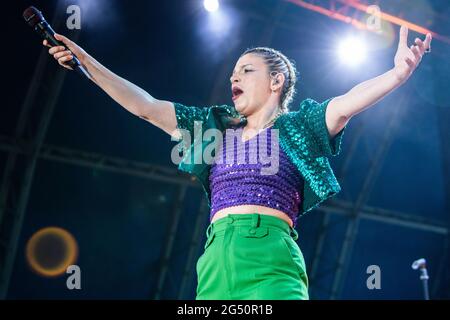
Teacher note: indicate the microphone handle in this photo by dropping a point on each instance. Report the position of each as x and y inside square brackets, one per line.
[46, 32]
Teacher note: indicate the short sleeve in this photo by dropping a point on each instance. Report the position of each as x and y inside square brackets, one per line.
[187, 115]
[312, 114]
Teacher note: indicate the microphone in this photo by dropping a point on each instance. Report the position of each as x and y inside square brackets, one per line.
[36, 20]
[420, 263]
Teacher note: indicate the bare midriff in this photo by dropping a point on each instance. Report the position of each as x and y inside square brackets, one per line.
[246, 209]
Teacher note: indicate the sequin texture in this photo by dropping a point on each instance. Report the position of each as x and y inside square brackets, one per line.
[236, 181]
[303, 137]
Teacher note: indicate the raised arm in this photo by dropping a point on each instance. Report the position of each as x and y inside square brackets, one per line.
[160, 113]
[365, 94]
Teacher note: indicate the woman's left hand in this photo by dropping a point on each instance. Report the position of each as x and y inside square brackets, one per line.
[408, 58]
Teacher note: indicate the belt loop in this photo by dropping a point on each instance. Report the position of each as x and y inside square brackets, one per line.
[208, 230]
[256, 218]
[294, 233]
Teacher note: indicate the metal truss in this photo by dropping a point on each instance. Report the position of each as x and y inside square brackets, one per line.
[18, 172]
[172, 175]
[26, 147]
[351, 11]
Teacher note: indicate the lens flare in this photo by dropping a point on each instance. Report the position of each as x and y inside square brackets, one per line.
[50, 251]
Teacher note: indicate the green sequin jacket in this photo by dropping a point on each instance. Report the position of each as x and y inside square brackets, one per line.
[303, 135]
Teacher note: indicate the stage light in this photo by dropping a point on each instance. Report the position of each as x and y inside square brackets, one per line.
[211, 5]
[218, 29]
[352, 51]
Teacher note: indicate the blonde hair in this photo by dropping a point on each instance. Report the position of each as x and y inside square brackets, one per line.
[279, 63]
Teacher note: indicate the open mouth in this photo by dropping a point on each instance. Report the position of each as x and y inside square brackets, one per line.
[236, 92]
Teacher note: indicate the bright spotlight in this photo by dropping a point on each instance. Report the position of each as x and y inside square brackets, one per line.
[211, 5]
[352, 51]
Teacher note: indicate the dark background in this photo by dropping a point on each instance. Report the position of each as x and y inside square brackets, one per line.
[121, 222]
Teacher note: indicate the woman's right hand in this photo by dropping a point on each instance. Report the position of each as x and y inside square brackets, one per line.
[65, 54]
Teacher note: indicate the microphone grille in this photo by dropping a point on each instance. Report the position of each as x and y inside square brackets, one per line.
[33, 16]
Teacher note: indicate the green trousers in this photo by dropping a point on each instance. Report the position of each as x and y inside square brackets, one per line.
[251, 257]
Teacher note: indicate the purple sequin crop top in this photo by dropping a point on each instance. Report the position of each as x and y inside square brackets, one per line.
[259, 178]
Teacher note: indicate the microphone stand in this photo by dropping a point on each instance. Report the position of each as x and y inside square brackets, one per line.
[424, 277]
[421, 264]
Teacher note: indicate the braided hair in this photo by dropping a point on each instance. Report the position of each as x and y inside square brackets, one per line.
[279, 63]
